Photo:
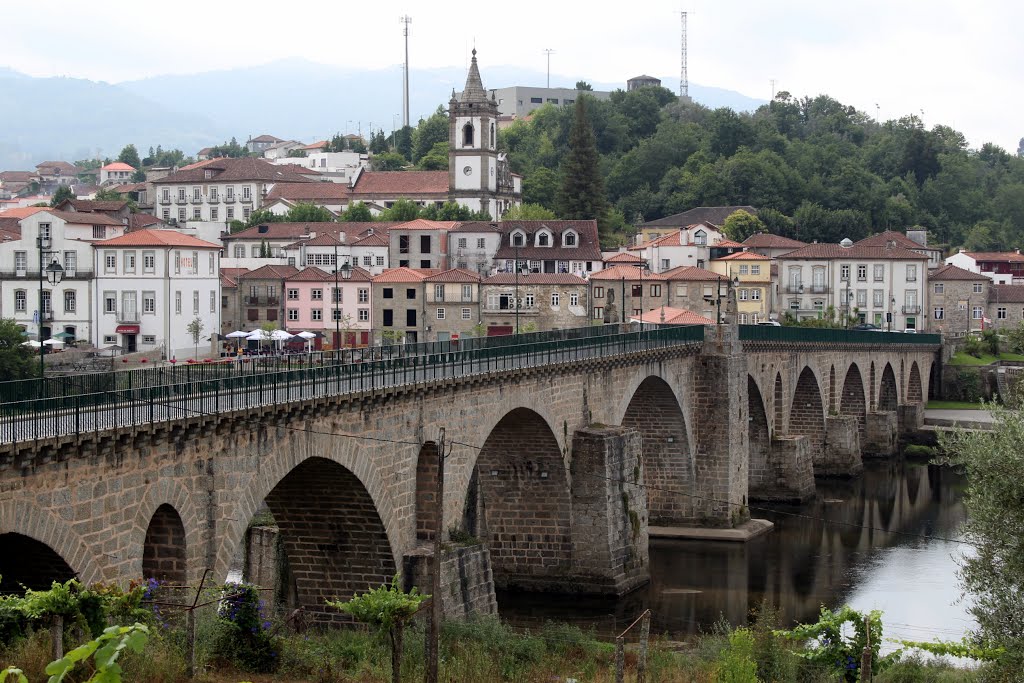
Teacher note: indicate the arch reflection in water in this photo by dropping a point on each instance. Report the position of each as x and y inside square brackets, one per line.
[848, 544]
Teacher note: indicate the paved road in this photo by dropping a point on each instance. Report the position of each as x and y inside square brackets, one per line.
[144, 407]
[969, 419]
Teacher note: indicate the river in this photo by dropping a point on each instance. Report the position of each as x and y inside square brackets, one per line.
[874, 542]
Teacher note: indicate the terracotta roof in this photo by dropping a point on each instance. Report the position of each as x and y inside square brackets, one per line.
[766, 240]
[315, 145]
[725, 242]
[65, 167]
[18, 176]
[478, 226]
[84, 217]
[128, 187]
[233, 170]
[205, 151]
[311, 274]
[265, 138]
[623, 271]
[1005, 256]
[424, 224]
[951, 272]
[398, 183]
[270, 272]
[827, 251]
[403, 275]
[201, 163]
[1006, 294]
[148, 237]
[226, 281]
[588, 246]
[277, 231]
[92, 205]
[454, 275]
[118, 166]
[377, 239]
[137, 221]
[666, 315]
[883, 238]
[536, 279]
[22, 212]
[744, 256]
[691, 274]
[309, 191]
[233, 272]
[624, 257]
[715, 215]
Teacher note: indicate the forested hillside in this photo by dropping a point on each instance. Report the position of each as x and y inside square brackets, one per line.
[817, 169]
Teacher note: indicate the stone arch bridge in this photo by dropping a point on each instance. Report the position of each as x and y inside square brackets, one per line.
[562, 457]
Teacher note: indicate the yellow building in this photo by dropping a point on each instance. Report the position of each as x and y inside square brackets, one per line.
[751, 275]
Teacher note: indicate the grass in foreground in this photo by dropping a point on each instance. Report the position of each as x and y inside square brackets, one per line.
[961, 358]
[954, 405]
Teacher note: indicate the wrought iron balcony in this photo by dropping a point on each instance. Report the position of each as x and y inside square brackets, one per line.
[912, 310]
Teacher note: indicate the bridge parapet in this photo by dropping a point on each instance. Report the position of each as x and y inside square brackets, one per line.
[788, 336]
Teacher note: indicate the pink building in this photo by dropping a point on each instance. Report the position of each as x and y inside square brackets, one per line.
[308, 305]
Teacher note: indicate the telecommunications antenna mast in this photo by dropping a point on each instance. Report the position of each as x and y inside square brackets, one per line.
[684, 81]
[406, 20]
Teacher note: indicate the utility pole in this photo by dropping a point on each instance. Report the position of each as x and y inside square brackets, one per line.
[684, 79]
[406, 20]
[436, 606]
[548, 52]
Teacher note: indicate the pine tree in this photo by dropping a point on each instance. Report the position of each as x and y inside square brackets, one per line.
[582, 195]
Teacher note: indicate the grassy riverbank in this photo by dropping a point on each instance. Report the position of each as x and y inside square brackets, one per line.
[483, 650]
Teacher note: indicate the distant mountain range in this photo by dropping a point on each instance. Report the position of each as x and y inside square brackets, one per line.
[68, 118]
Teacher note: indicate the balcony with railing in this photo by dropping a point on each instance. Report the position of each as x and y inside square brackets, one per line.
[71, 273]
[510, 309]
[912, 310]
[262, 300]
[165, 200]
[128, 315]
[800, 288]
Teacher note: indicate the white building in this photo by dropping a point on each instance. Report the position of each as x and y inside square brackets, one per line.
[473, 245]
[116, 173]
[280, 150]
[220, 190]
[65, 308]
[875, 283]
[689, 246]
[338, 167]
[1002, 267]
[150, 285]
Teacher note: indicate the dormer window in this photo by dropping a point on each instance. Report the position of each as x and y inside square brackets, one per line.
[467, 135]
[518, 239]
[569, 239]
[208, 174]
[700, 238]
[543, 240]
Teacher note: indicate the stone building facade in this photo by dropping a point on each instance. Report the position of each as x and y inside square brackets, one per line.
[452, 304]
[547, 301]
[958, 299]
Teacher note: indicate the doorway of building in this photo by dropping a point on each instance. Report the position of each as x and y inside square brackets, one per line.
[130, 345]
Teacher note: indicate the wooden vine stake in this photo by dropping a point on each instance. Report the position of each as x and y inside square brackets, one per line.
[57, 637]
[645, 634]
[865, 658]
[620, 660]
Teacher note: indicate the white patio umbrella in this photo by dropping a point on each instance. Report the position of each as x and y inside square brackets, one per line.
[281, 335]
[237, 334]
[53, 342]
[309, 337]
[258, 335]
[31, 343]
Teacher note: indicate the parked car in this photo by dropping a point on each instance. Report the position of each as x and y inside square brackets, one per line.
[770, 323]
[866, 327]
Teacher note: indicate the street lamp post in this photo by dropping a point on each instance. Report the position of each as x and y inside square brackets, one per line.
[516, 302]
[643, 267]
[346, 273]
[892, 313]
[622, 304]
[53, 273]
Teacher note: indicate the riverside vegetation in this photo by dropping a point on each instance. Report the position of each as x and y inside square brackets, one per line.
[237, 641]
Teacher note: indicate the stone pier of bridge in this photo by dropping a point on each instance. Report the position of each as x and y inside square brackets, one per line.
[556, 474]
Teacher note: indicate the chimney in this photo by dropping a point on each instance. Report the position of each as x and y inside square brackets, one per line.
[1016, 251]
[961, 251]
[263, 229]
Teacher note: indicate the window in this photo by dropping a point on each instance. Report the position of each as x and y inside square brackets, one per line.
[743, 318]
[743, 295]
[529, 301]
[755, 295]
[293, 294]
[229, 193]
[410, 317]
[110, 262]
[569, 239]
[388, 293]
[363, 315]
[879, 271]
[367, 260]
[554, 298]
[655, 290]
[69, 301]
[149, 339]
[467, 292]
[380, 260]
[316, 314]
[466, 314]
[214, 213]
[877, 298]
[467, 135]
[213, 302]
[293, 314]
[598, 292]
[976, 313]
[938, 313]
[481, 243]
[755, 270]
[177, 303]
[700, 238]
[197, 214]
[245, 212]
[977, 287]
[181, 215]
[195, 302]
[424, 244]
[744, 270]
[20, 261]
[665, 264]
[109, 339]
[213, 195]
[440, 314]
[165, 214]
[20, 300]
[197, 193]
[438, 292]
[109, 302]
[181, 194]
[862, 272]
[410, 293]
[149, 302]
[940, 287]
[230, 213]
[246, 192]
[543, 240]
[844, 272]
[912, 272]
[598, 314]
[574, 299]
[1001, 313]
[129, 262]
[224, 301]
[518, 239]
[536, 100]
[862, 298]
[165, 194]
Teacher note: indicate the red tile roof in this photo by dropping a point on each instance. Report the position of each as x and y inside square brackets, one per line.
[265, 138]
[377, 239]
[478, 226]
[725, 242]
[315, 145]
[454, 275]
[118, 166]
[270, 272]
[142, 220]
[536, 279]
[317, 274]
[827, 251]
[1006, 294]
[233, 170]
[425, 224]
[691, 274]
[588, 246]
[715, 215]
[624, 257]
[997, 256]
[951, 272]
[84, 217]
[623, 271]
[398, 183]
[92, 205]
[766, 240]
[403, 275]
[306, 192]
[744, 256]
[157, 238]
[22, 212]
[64, 167]
[18, 176]
[884, 238]
[667, 315]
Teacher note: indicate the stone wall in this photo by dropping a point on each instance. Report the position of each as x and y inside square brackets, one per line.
[467, 585]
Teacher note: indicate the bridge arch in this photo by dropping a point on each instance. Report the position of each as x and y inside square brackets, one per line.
[852, 401]
[761, 474]
[518, 501]
[655, 412]
[164, 554]
[167, 493]
[25, 527]
[807, 416]
[888, 395]
[915, 393]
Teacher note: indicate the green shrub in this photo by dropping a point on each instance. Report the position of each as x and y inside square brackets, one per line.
[243, 635]
[736, 663]
[973, 346]
[968, 385]
[915, 450]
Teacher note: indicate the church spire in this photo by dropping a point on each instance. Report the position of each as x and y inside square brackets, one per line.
[474, 90]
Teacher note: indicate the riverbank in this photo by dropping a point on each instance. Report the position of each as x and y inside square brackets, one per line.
[485, 650]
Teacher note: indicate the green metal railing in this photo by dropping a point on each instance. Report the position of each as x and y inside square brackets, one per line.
[814, 335]
[78, 414]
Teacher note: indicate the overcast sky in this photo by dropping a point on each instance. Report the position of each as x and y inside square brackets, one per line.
[957, 62]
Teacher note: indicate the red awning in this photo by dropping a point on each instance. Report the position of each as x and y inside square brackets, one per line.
[127, 329]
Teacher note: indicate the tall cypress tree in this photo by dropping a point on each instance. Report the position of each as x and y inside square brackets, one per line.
[582, 195]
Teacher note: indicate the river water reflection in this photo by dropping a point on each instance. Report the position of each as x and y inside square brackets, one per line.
[869, 542]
